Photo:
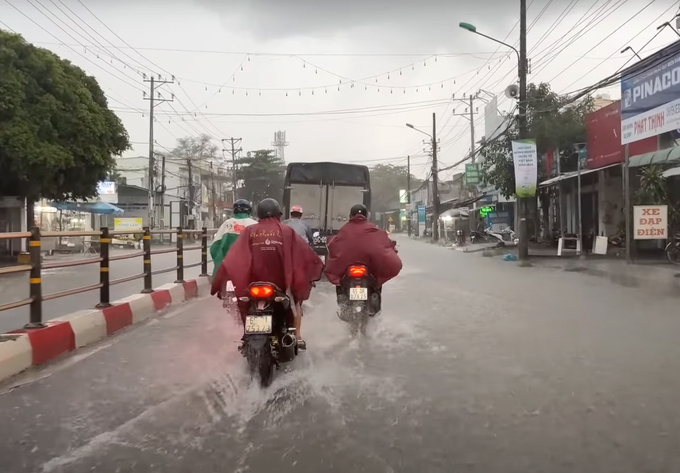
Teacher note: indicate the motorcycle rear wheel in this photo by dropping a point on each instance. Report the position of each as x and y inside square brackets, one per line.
[260, 360]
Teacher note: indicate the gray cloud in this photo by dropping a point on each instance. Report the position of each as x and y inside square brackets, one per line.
[432, 23]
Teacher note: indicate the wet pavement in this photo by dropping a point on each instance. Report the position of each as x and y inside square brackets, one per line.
[15, 287]
[475, 365]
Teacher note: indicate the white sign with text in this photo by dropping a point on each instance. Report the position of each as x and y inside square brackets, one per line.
[650, 222]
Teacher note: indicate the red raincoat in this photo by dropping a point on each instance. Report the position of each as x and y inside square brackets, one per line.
[359, 241]
[301, 266]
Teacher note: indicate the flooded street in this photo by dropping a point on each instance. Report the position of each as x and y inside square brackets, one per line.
[475, 364]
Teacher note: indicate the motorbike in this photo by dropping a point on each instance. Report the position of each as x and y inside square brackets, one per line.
[269, 340]
[673, 250]
[507, 235]
[358, 298]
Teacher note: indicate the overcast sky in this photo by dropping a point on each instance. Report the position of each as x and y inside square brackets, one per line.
[341, 78]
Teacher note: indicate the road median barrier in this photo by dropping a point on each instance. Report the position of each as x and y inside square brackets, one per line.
[41, 341]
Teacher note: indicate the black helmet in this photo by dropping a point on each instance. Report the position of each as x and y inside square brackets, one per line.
[268, 208]
[358, 209]
[242, 206]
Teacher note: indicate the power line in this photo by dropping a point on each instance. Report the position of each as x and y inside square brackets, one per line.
[78, 53]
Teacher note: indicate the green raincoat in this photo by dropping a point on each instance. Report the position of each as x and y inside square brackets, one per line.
[226, 236]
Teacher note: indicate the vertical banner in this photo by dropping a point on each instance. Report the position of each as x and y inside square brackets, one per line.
[525, 160]
[421, 220]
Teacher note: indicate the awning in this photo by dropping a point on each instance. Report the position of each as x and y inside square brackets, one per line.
[664, 156]
[671, 172]
[569, 175]
[89, 207]
[454, 213]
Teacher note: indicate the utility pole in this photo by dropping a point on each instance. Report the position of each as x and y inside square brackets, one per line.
[191, 188]
[408, 192]
[234, 142]
[154, 101]
[435, 189]
[162, 217]
[212, 186]
[472, 130]
[523, 250]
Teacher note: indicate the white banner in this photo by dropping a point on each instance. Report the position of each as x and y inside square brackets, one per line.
[650, 222]
[525, 159]
[651, 123]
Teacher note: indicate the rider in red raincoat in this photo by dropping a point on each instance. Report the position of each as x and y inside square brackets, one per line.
[359, 241]
[270, 252]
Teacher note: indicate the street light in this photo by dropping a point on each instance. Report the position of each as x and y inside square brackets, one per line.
[473, 29]
[668, 23]
[435, 187]
[522, 116]
[423, 132]
[628, 48]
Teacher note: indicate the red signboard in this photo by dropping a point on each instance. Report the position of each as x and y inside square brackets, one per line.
[603, 134]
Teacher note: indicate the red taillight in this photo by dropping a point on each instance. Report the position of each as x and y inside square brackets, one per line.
[261, 292]
[357, 271]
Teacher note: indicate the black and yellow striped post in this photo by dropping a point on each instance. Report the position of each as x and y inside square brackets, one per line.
[35, 280]
[146, 242]
[204, 252]
[180, 255]
[105, 290]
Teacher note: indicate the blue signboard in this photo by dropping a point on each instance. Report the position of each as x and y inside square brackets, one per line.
[421, 214]
[650, 96]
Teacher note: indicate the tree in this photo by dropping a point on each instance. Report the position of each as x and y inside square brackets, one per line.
[386, 181]
[262, 174]
[58, 138]
[653, 190]
[552, 120]
[193, 151]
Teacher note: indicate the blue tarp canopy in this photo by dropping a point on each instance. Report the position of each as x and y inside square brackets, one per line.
[89, 207]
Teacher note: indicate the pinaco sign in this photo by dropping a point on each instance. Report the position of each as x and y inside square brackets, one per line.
[650, 222]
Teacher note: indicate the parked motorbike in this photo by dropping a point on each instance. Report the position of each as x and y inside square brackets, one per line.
[269, 339]
[673, 250]
[478, 237]
[507, 235]
[358, 298]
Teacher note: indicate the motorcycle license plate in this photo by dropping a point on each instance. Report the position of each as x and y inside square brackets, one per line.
[258, 324]
[358, 294]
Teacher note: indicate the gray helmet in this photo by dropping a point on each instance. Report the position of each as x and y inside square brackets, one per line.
[242, 206]
[268, 208]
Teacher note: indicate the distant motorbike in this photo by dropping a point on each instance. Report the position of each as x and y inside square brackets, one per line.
[358, 298]
[269, 339]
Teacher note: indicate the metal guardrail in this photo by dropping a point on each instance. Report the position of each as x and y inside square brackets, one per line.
[35, 267]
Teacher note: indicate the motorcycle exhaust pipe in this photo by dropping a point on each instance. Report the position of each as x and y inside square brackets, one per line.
[288, 344]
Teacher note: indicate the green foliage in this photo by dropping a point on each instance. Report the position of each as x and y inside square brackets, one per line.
[551, 120]
[653, 190]
[58, 138]
[262, 175]
[386, 181]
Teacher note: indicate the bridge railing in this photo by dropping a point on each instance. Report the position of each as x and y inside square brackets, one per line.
[36, 266]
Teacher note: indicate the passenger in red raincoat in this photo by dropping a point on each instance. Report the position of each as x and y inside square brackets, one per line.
[270, 252]
[359, 241]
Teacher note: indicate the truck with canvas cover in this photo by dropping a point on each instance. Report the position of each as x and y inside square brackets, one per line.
[326, 191]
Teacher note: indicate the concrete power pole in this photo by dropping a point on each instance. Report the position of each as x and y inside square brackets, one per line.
[523, 250]
[233, 142]
[154, 101]
[408, 193]
[435, 188]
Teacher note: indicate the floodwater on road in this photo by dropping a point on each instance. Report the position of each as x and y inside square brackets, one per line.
[474, 365]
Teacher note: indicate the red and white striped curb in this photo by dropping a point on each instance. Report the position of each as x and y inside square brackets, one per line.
[24, 348]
